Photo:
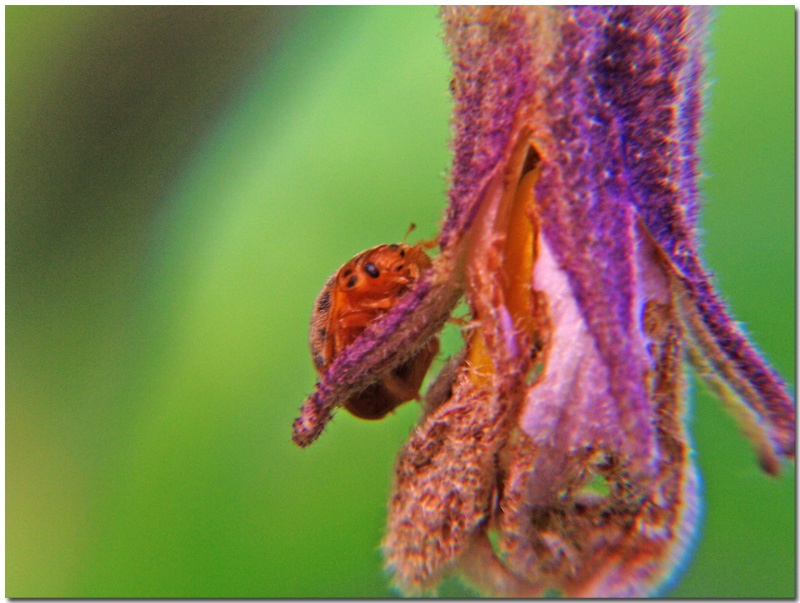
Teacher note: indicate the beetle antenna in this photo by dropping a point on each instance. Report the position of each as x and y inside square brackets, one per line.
[412, 227]
[428, 244]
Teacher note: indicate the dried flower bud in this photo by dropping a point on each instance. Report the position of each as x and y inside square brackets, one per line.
[553, 451]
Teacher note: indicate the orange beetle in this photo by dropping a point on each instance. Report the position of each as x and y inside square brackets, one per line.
[364, 288]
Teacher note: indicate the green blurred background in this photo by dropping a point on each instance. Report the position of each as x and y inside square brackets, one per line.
[179, 184]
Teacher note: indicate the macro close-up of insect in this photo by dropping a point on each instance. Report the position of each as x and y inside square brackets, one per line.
[230, 374]
[364, 288]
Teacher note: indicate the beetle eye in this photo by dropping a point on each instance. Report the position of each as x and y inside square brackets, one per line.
[371, 269]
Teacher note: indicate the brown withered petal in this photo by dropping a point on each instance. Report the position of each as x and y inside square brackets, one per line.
[444, 482]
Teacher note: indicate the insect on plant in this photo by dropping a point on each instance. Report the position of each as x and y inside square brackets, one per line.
[366, 287]
[553, 453]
